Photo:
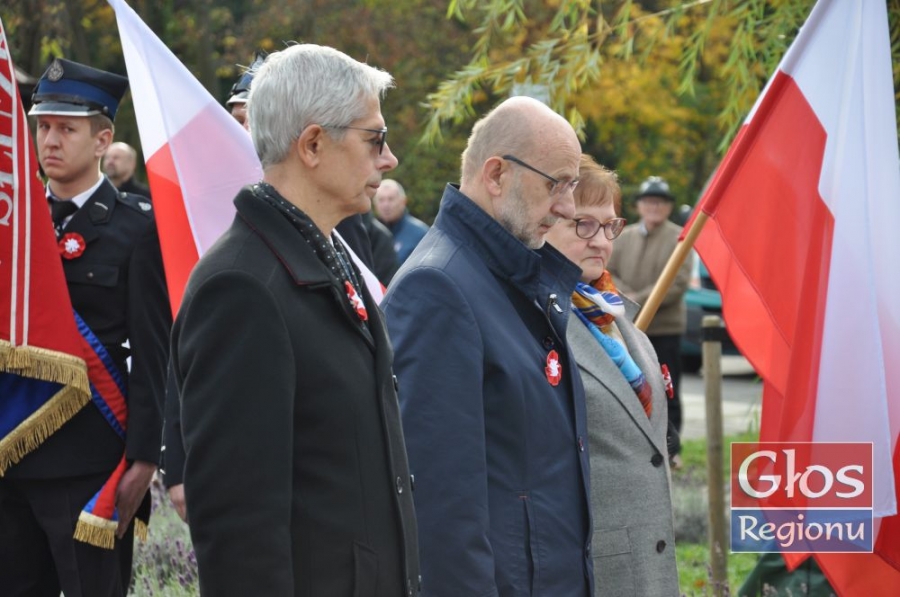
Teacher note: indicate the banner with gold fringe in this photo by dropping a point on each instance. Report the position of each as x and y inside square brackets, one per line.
[43, 375]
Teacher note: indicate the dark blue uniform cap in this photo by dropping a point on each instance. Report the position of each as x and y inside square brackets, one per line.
[71, 89]
[240, 91]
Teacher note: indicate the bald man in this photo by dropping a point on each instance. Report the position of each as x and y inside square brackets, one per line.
[493, 406]
[119, 163]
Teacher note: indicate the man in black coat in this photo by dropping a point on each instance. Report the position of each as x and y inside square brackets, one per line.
[296, 476]
[113, 268]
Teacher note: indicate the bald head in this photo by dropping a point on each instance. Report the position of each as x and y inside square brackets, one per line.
[520, 125]
[519, 166]
[390, 201]
[119, 162]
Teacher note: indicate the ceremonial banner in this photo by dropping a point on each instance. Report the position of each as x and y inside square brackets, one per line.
[802, 239]
[43, 375]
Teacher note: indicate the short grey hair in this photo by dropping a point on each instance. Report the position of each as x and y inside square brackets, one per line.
[308, 84]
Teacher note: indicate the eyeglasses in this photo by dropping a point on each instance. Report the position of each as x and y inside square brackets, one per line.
[559, 186]
[587, 228]
[379, 142]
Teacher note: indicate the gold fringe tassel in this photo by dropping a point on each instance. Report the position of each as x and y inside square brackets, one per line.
[97, 531]
[40, 425]
[43, 364]
[140, 529]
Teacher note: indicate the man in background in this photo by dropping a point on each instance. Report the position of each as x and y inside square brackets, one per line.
[390, 207]
[119, 163]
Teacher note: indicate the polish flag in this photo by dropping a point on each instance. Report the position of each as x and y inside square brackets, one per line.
[803, 238]
[198, 157]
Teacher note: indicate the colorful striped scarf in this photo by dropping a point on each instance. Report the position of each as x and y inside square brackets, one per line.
[598, 306]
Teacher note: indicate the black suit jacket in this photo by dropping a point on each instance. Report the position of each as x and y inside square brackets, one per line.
[296, 475]
[135, 188]
[118, 287]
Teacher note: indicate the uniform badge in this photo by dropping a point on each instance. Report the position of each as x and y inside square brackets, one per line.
[71, 245]
[356, 301]
[667, 379]
[553, 369]
[55, 72]
[144, 205]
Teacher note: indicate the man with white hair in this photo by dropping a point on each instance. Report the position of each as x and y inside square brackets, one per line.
[296, 477]
[492, 402]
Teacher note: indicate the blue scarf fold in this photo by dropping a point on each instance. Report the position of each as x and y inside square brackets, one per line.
[602, 306]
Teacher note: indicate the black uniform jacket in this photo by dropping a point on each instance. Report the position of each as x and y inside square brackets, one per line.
[118, 287]
[296, 475]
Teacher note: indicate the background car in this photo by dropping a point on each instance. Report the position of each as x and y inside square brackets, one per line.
[702, 298]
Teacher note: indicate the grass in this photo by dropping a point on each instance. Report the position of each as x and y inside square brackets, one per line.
[689, 494]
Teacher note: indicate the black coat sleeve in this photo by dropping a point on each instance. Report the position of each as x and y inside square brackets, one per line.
[149, 320]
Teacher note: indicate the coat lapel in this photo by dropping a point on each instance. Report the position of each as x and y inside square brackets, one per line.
[297, 257]
[594, 361]
[96, 211]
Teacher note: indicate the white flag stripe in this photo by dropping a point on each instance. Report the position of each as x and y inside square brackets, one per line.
[147, 83]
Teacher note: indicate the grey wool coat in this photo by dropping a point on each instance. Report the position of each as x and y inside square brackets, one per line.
[634, 542]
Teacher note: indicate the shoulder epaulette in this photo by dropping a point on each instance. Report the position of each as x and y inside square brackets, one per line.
[136, 202]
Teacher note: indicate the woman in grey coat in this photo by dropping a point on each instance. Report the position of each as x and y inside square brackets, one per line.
[633, 544]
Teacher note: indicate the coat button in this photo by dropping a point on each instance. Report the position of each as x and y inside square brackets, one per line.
[90, 275]
[657, 460]
[660, 546]
[580, 444]
[396, 383]
[547, 342]
[412, 482]
[399, 484]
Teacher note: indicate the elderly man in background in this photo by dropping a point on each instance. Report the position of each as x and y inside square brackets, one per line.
[492, 402]
[296, 476]
[390, 207]
[119, 163]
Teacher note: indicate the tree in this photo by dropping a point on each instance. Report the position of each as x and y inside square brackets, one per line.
[704, 62]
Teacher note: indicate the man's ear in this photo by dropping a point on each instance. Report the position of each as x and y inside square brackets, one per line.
[493, 171]
[310, 144]
[102, 141]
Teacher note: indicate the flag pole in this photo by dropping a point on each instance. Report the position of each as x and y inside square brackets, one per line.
[682, 249]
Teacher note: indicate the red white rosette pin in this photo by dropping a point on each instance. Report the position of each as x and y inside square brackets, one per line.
[553, 369]
[71, 245]
[667, 379]
[356, 301]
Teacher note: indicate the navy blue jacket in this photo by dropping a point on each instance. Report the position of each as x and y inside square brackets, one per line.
[498, 453]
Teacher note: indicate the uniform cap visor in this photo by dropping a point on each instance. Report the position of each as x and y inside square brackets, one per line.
[61, 109]
[238, 98]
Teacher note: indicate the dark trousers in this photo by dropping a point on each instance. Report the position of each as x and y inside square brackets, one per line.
[38, 554]
[668, 350]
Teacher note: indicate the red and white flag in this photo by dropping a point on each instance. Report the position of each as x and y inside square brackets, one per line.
[802, 240]
[198, 157]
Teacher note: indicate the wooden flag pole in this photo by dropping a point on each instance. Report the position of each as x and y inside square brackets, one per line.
[669, 272]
